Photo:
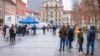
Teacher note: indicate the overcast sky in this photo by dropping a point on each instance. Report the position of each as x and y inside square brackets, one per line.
[66, 3]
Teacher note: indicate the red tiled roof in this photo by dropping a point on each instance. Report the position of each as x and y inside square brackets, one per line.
[68, 11]
[36, 13]
[28, 10]
[10, 1]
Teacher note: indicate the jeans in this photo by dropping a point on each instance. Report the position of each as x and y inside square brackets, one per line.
[70, 44]
[90, 43]
[12, 38]
[67, 41]
[43, 31]
[80, 48]
[34, 33]
[62, 44]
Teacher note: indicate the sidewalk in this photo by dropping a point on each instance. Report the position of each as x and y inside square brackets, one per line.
[74, 50]
[41, 45]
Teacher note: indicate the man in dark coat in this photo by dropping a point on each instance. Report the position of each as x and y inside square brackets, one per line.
[19, 31]
[43, 28]
[54, 30]
[70, 36]
[62, 35]
[4, 30]
[12, 34]
[34, 29]
[91, 39]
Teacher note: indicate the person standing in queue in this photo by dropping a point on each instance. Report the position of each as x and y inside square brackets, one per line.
[34, 29]
[4, 30]
[62, 35]
[70, 36]
[54, 30]
[80, 40]
[44, 28]
[11, 30]
[91, 35]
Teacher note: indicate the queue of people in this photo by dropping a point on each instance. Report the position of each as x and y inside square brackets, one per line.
[24, 30]
[69, 34]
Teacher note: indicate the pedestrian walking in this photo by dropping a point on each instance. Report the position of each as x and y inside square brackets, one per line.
[34, 29]
[48, 27]
[91, 40]
[70, 36]
[23, 30]
[80, 40]
[4, 30]
[27, 30]
[25, 27]
[44, 28]
[62, 35]
[19, 31]
[54, 30]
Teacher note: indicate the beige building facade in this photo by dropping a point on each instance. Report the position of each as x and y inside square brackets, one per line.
[52, 12]
[7, 12]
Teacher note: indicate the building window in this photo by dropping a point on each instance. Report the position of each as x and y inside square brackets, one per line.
[46, 6]
[46, 20]
[56, 6]
[59, 19]
[46, 14]
[56, 19]
[39, 19]
[43, 20]
[43, 14]
[67, 19]
[59, 14]
[51, 14]
[56, 14]
[56, 24]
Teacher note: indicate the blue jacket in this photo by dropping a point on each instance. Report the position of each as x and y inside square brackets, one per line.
[91, 34]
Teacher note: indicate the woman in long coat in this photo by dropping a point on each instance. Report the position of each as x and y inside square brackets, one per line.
[70, 36]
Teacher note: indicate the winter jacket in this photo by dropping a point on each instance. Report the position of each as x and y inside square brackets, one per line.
[62, 33]
[91, 34]
[80, 37]
[11, 31]
[75, 31]
[70, 34]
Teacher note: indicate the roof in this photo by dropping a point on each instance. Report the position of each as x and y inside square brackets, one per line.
[36, 13]
[68, 11]
[10, 1]
[28, 10]
[21, 1]
[50, 1]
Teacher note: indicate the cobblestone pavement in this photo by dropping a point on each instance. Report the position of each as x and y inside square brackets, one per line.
[40, 45]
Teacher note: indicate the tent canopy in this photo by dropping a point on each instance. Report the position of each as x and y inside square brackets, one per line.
[28, 20]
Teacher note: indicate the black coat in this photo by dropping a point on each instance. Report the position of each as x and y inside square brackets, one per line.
[91, 34]
[70, 34]
[19, 30]
[11, 32]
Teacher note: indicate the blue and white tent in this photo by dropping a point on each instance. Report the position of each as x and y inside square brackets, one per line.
[28, 20]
